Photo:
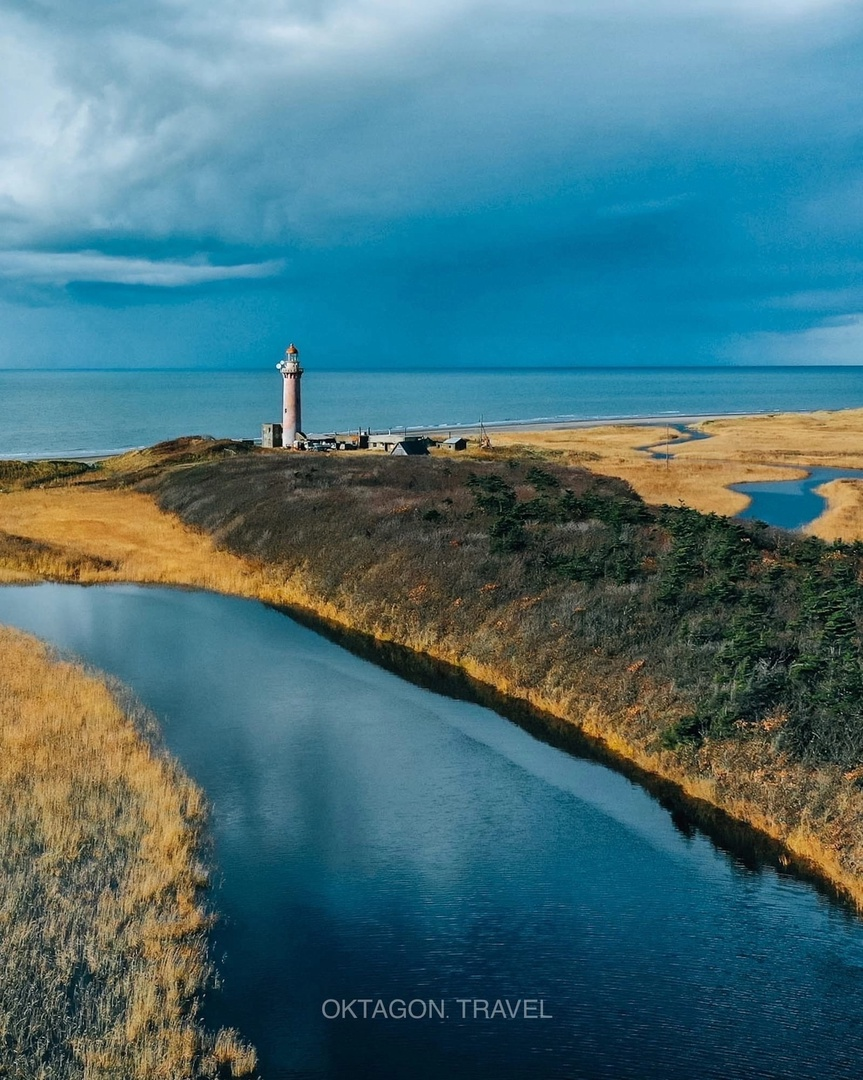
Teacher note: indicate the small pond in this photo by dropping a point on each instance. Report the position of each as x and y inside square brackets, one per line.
[791, 504]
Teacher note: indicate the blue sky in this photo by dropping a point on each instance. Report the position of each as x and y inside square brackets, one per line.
[462, 182]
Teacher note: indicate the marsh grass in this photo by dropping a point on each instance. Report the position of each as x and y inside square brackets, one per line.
[99, 534]
[103, 931]
[23, 557]
[187, 450]
[698, 475]
[19, 475]
[680, 640]
[844, 514]
[830, 439]
[649, 628]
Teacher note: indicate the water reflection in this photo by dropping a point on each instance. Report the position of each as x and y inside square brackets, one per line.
[379, 840]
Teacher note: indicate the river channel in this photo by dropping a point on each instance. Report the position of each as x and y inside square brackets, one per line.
[786, 504]
[376, 840]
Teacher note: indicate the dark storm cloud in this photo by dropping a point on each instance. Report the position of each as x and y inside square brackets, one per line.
[616, 181]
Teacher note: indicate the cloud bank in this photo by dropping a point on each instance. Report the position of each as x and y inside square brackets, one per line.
[462, 181]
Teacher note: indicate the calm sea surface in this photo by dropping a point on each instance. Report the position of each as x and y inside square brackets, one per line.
[376, 840]
[90, 412]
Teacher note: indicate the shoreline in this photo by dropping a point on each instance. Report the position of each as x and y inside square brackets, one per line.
[121, 536]
[538, 424]
[675, 786]
[727, 831]
[137, 819]
[657, 420]
[713, 457]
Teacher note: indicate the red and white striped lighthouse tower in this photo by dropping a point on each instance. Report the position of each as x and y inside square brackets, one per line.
[291, 414]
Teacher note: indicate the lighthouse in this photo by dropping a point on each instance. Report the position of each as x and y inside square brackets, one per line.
[291, 415]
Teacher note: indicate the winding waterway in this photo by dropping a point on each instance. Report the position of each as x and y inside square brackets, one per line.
[791, 504]
[377, 840]
[786, 504]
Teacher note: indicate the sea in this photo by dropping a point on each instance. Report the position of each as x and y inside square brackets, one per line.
[61, 413]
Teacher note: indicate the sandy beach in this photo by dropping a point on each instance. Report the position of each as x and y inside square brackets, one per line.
[539, 425]
[708, 454]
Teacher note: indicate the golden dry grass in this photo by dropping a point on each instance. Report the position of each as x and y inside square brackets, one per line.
[703, 485]
[833, 439]
[699, 481]
[610, 441]
[144, 544]
[103, 942]
[91, 534]
[15, 475]
[113, 535]
[818, 438]
[843, 518]
[816, 812]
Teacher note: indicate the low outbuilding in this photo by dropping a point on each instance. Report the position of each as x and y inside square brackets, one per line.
[387, 442]
[410, 448]
[271, 435]
[455, 442]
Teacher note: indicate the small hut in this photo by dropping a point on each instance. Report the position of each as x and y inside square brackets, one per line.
[391, 439]
[271, 435]
[410, 448]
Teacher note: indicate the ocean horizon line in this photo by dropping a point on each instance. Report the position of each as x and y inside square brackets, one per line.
[434, 369]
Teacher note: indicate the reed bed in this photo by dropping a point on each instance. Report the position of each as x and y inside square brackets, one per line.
[402, 551]
[19, 475]
[677, 639]
[843, 517]
[825, 438]
[97, 534]
[699, 474]
[103, 929]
